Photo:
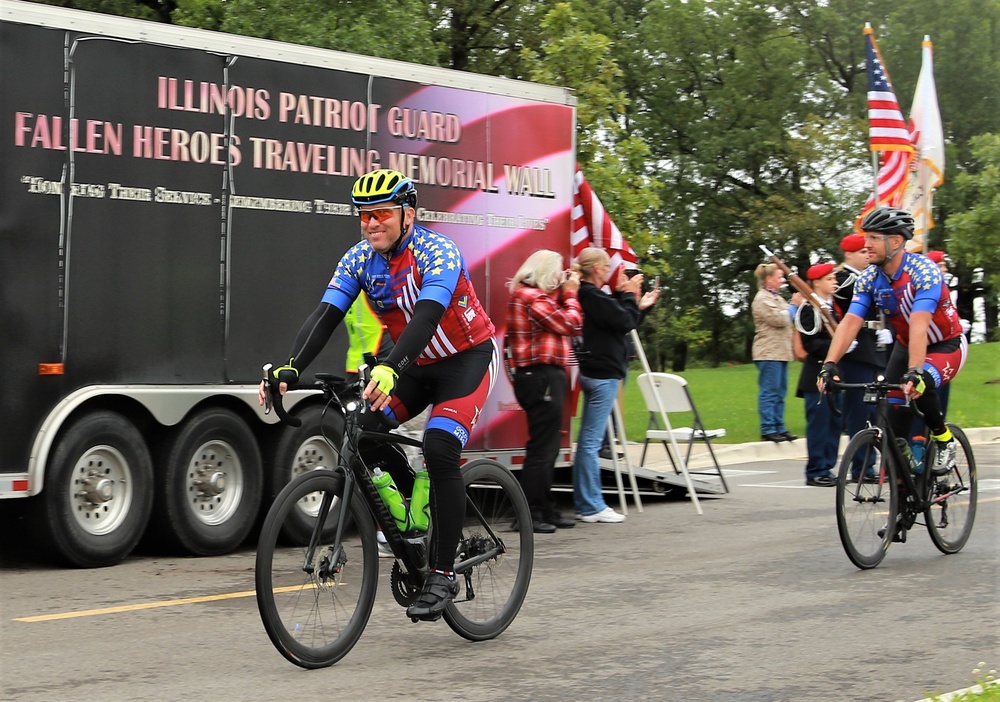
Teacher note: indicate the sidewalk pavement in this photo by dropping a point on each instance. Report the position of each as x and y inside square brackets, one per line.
[755, 451]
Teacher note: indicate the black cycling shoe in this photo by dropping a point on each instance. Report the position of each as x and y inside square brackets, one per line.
[437, 592]
[899, 537]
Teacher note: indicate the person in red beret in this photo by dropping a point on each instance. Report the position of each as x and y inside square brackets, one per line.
[822, 422]
[871, 353]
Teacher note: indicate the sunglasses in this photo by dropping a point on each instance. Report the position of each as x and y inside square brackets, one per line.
[381, 214]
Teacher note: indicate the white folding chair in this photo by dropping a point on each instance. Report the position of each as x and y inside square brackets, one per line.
[663, 394]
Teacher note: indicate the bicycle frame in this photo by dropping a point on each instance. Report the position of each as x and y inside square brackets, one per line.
[916, 489]
[411, 552]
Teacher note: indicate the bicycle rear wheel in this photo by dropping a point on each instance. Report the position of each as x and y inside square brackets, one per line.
[866, 511]
[494, 588]
[315, 611]
[953, 497]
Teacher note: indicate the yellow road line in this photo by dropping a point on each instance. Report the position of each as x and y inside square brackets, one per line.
[151, 605]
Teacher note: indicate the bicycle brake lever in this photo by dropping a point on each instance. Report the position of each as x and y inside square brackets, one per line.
[267, 388]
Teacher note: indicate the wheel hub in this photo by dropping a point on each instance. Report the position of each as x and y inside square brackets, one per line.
[97, 489]
[214, 482]
[101, 490]
[209, 482]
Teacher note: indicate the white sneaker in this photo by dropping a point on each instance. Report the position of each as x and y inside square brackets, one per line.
[383, 546]
[946, 453]
[605, 516]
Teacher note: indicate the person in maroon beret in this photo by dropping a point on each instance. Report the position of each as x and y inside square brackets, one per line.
[822, 422]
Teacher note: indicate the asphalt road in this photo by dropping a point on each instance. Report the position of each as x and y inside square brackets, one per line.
[752, 601]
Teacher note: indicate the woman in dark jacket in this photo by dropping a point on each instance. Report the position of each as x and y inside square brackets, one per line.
[603, 365]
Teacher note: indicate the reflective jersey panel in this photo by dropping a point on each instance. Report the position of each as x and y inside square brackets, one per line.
[917, 287]
[428, 266]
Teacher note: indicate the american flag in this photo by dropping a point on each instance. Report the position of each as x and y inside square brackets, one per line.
[887, 132]
[592, 226]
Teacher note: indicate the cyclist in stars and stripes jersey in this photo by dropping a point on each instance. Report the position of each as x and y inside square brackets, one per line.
[444, 354]
[930, 348]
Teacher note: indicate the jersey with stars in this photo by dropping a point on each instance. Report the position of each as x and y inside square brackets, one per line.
[916, 287]
[426, 266]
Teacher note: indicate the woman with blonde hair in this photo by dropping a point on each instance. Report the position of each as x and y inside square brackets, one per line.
[772, 350]
[603, 364]
[542, 314]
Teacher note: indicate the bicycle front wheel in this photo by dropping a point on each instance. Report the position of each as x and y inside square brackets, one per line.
[952, 507]
[315, 606]
[494, 561]
[866, 507]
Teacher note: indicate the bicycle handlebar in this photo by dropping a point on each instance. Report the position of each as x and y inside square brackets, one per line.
[879, 387]
[330, 385]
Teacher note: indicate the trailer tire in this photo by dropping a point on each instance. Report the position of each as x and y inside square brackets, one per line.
[208, 484]
[98, 491]
[300, 450]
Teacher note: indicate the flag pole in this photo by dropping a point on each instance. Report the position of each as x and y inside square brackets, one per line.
[875, 167]
[875, 170]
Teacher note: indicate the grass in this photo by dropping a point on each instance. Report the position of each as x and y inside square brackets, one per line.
[986, 689]
[727, 397]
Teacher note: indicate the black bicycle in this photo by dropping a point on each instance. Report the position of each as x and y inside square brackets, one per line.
[317, 564]
[879, 499]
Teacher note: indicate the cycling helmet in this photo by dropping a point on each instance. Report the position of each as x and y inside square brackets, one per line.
[889, 220]
[384, 185]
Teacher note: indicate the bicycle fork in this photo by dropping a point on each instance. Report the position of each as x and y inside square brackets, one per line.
[329, 561]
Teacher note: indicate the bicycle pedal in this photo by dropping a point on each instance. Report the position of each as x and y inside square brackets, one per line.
[427, 619]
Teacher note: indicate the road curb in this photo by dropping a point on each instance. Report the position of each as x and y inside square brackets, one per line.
[753, 452]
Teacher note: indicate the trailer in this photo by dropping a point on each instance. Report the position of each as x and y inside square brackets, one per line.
[172, 204]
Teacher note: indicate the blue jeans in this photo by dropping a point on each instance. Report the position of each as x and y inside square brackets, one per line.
[772, 380]
[822, 435]
[856, 412]
[598, 400]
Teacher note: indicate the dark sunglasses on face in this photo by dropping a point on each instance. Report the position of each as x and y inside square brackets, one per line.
[383, 214]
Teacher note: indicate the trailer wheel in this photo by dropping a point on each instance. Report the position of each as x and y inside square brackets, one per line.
[300, 450]
[98, 491]
[209, 484]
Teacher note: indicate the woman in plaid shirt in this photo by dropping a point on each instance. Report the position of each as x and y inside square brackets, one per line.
[543, 313]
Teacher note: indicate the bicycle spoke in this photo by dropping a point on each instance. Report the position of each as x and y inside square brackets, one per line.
[494, 561]
[952, 508]
[866, 511]
[315, 603]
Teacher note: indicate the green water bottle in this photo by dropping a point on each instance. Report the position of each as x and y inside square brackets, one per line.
[393, 499]
[904, 448]
[420, 508]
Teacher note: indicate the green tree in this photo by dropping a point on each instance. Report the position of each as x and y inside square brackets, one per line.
[974, 233]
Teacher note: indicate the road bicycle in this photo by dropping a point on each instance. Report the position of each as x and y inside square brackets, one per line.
[317, 566]
[879, 499]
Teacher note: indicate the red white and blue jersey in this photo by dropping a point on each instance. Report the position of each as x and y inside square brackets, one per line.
[916, 287]
[426, 266]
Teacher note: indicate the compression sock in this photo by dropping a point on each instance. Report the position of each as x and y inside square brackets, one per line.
[944, 437]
